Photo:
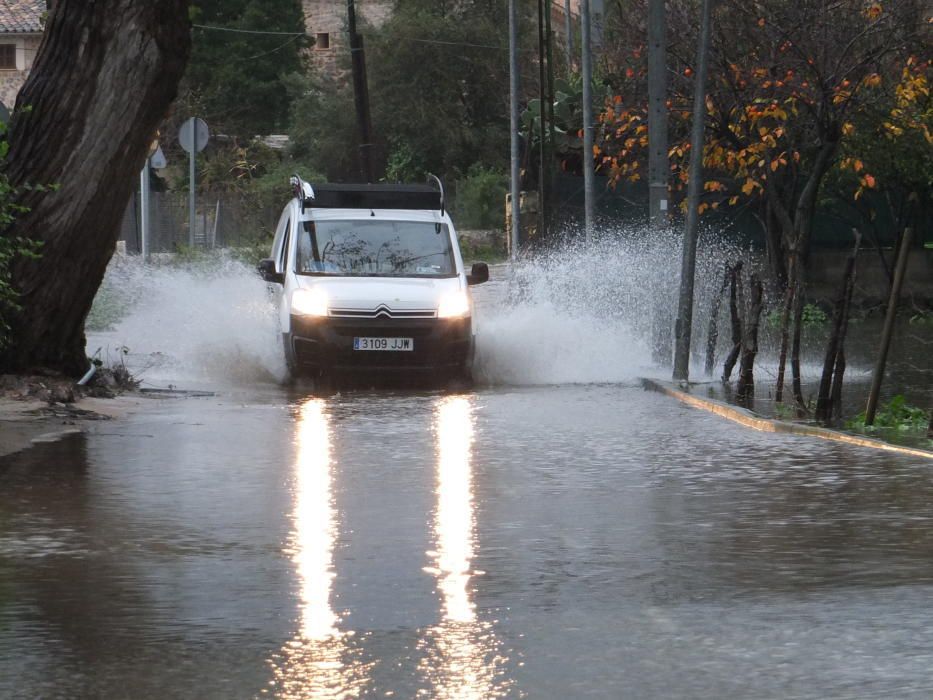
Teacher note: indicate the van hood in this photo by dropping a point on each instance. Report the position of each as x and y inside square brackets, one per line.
[368, 293]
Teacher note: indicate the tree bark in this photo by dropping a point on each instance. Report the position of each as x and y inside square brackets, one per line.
[785, 334]
[712, 333]
[834, 360]
[796, 382]
[103, 79]
[735, 301]
[746, 388]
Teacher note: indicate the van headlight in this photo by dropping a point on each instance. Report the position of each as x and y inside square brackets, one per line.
[309, 302]
[454, 305]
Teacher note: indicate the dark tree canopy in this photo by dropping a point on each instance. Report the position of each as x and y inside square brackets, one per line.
[103, 79]
[234, 78]
[438, 85]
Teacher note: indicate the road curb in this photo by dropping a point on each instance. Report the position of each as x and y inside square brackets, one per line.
[745, 417]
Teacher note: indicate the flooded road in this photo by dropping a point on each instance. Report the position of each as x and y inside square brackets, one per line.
[541, 542]
[555, 533]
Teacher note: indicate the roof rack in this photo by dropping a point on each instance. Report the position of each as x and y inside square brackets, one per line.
[380, 196]
[302, 190]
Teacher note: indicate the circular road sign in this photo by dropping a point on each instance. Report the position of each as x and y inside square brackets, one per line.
[191, 128]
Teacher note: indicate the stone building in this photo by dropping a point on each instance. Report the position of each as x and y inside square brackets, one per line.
[326, 21]
[20, 35]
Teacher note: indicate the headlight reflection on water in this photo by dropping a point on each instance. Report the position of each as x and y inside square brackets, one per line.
[461, 655]
[319, 662]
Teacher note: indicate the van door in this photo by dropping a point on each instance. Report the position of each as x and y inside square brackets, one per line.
[280, 242]
[281, 254]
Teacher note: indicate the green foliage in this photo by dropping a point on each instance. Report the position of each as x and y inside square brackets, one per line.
[812, 317]
[439, 94]
[568, 114]
[480, 201]
[404, 165]
[922, 318]
[258, 176]
[896, 415]
[323, 131]
[11, 248]
[473, 252]
[235, 80]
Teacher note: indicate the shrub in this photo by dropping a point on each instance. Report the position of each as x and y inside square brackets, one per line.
[11, 247]
[896, 415]
[480, 201]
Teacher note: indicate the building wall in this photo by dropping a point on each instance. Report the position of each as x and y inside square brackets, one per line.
[329, 17]
[12, 80]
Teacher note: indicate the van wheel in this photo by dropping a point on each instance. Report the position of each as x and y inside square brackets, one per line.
[460, 379]
[289, 356]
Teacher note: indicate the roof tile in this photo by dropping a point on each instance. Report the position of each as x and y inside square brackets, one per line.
[21, 16]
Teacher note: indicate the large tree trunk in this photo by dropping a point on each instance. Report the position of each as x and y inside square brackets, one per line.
[104, 78]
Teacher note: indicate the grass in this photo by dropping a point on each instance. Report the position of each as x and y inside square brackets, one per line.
[473, 252]
[897, 415]
[111, 305]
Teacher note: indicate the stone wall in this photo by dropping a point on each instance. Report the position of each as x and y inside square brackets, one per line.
[329, 17]
[12, 80]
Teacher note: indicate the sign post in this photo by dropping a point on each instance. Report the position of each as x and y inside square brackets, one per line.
[144, 210]
[193, 137]
[144, 207]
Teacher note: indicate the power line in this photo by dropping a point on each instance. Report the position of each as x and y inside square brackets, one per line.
[299, 34]
[247, 31]
[456, 43]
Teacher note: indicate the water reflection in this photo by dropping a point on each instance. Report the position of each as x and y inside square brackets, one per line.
[321, 661]
[461, 655]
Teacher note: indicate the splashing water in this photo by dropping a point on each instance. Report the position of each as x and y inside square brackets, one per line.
[586, 314]
[575, 314]
[213, 321]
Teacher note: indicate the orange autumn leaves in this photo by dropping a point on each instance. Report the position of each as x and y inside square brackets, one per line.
[753, 132]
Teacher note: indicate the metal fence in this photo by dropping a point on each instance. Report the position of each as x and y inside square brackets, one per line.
[223, 220]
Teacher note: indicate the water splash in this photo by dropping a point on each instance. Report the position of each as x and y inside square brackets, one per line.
[575, 314]
[597, 313]
[208, 321]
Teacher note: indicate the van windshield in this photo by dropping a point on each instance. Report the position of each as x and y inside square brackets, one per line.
[372, 248]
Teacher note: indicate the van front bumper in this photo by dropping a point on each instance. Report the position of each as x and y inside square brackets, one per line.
[326, 344]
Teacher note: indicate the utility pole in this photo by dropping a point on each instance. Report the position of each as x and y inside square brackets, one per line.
[144, 210]
[597, 17]
[544, 163]
[587, 68]
[360, 95]
[658, 162]
[514, 126]
[683, 326]
[568, 30]
[192, 184]
[552, 136]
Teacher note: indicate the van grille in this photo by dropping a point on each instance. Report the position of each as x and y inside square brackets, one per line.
[382, 311]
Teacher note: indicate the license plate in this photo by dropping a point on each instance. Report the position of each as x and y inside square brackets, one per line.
[390, 344]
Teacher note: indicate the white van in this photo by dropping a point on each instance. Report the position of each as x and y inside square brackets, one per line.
[372, 280]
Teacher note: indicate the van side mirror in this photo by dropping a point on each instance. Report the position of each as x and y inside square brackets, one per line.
[479, 274]
[267, 271]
